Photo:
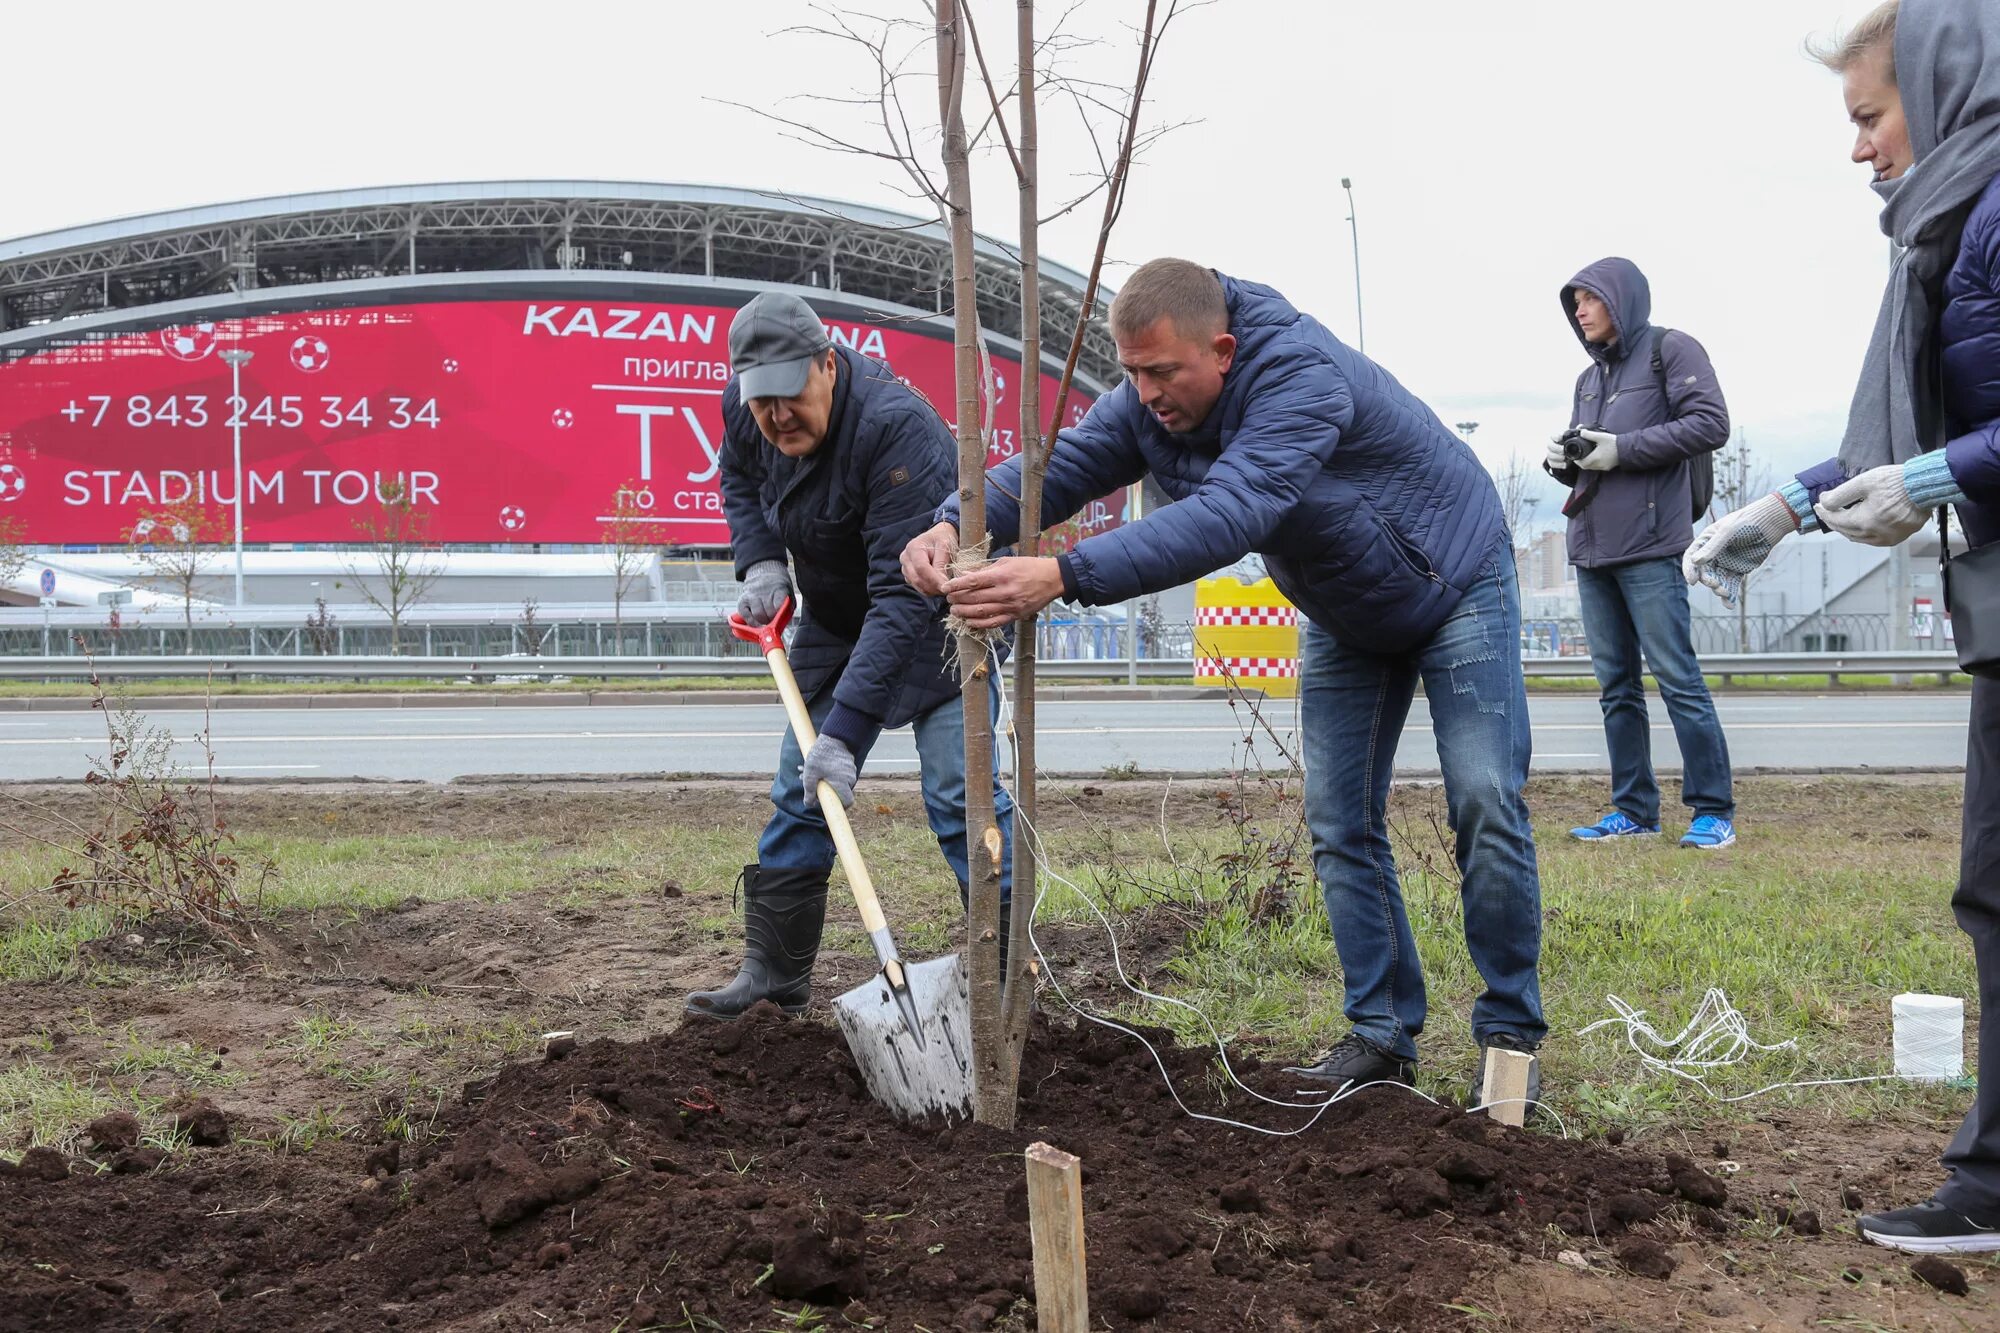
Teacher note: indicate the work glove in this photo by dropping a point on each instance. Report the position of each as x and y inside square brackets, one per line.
[1731, 547]
[1874, 508]
[1558, 459]
[766, 585]
[832, 762]
[1604, 456]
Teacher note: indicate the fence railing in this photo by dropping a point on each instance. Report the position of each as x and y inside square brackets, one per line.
[696, 631]
[750, 666]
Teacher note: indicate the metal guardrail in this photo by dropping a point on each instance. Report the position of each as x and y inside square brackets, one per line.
[550, 668]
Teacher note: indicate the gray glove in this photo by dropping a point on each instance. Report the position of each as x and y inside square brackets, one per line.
[766, 585]
[1874, 508]
[1734, 545]
[831, 762]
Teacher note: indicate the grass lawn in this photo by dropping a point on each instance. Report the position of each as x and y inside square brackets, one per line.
[1834, 900]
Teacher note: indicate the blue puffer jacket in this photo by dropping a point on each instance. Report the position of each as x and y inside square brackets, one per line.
[1969, 340]
[1372, 517]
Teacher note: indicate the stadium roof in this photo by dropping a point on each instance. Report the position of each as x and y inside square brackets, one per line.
[515, 232]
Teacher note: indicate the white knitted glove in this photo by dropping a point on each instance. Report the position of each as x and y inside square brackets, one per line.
[1874, 508]
[1735, 544]
[1604, 457]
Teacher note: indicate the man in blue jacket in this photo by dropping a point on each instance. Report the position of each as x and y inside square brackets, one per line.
[1650, 411]
[1378, 523]
[829, 458]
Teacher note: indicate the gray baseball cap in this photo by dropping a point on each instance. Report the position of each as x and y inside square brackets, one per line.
[773, 342]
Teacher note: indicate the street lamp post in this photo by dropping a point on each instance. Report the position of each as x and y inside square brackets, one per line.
[1465, 428]
[1360, 329]
[237, 357]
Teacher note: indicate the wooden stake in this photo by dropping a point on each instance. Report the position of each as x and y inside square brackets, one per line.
[1055, 1221]
[1506, 1083]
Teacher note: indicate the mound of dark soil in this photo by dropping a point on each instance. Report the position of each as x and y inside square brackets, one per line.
[698, 1179]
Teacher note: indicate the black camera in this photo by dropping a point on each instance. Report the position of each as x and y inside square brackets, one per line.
[1575, 448]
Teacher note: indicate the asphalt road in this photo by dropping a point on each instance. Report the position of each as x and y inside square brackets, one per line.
[1076, 737]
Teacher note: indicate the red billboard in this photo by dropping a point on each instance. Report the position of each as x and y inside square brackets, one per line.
[507, 421]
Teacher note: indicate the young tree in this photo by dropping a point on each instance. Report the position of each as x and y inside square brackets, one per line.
[1114, 173]
[993, 1095]
[320, 631]
[999, 1005]
[13, 549]
[406, 562]
[631, 542]
[176, 545]
[1517, 483]
[1740, 479]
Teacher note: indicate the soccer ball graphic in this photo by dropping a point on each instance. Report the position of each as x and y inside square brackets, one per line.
[310, 354]
[562, 418]
[188, 342]
[12, 483]
[513, 517]
[450, 366]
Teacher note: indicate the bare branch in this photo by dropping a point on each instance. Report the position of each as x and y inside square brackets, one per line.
[993, 98]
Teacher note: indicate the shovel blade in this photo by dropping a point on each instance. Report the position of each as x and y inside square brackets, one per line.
[914, 1083]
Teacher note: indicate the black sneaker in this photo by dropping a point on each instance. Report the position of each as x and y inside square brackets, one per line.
[1507, 1041]
[1356, 1060]
[1929, 1228]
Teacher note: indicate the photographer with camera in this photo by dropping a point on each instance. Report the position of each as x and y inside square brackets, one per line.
[1646, 416]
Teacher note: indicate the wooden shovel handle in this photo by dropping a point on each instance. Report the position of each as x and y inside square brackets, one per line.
[830, 807]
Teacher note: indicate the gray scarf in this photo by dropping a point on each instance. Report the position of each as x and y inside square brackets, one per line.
[1948, 66]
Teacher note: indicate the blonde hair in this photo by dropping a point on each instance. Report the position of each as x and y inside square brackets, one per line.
[1876, 30]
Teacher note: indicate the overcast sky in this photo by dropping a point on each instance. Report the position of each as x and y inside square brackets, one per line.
[1494, 149]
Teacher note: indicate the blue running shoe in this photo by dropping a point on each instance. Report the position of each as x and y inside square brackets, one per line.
[1710, 833]
[1614, 825]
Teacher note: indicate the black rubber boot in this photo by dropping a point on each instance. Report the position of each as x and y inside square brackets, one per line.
[783, 914]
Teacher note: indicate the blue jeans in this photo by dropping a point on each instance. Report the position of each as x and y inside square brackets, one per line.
[1643, 607]
[797, 838]
[1353, 704]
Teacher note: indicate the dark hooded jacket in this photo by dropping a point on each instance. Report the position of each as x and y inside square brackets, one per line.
[1643, 508]
[1371, 516]
[844, 513]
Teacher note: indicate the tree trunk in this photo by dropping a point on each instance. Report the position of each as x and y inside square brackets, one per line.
[1034, 462]
[992, 1091]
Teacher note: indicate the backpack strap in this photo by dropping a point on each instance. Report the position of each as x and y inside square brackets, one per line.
[1660, 367]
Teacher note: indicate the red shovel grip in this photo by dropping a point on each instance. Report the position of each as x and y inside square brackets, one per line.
[769, 637]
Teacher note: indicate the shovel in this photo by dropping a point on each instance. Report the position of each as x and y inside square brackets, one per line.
[909, 1027]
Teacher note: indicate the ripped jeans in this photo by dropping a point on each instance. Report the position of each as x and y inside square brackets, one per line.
[1352, 706]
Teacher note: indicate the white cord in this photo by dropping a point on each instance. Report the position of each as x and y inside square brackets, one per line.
[1717, 1037]
[1319, 1100]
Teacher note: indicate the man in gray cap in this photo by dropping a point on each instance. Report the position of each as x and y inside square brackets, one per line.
[832, 460]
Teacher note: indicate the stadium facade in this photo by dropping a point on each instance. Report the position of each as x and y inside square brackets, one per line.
[527, 359]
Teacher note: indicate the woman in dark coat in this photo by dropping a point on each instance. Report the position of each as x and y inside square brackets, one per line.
[1922, 84]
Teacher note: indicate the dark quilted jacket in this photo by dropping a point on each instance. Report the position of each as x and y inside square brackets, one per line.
[844, 513]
